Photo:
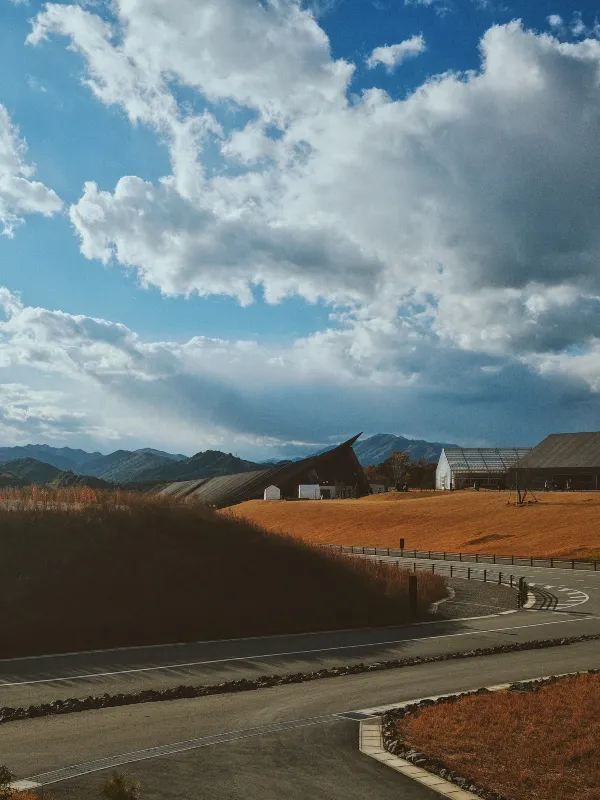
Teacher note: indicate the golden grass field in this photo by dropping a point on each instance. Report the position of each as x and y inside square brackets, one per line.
[560, 524]
[540, 745]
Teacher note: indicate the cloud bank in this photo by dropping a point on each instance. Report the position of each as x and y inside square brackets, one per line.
[456, 226]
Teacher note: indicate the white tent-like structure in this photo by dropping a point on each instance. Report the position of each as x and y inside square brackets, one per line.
[272, 493]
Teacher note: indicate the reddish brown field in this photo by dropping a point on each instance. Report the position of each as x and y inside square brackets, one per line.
[542, 745]
[561, 524]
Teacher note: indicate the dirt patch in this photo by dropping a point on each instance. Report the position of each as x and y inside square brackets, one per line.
[561, 524]
[493, 537]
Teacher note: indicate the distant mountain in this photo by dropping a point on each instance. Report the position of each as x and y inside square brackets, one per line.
[29, 471]
[169, 456]
[208, 464]
[124, 466]
[376, 449]
[65, 458]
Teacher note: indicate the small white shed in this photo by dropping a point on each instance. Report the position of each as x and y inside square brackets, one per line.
[272, 493]
[309, 491]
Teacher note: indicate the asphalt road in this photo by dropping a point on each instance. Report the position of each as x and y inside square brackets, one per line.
[42, 679]
[238, 730]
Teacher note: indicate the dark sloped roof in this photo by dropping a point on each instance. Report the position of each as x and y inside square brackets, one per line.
[227, 490]
[568, 450]
[483, 459]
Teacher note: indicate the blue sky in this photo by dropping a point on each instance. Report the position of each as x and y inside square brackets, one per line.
[285, 212]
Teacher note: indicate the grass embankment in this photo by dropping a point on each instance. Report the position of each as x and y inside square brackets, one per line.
[561, 524]
[84, 570]
[540, 745]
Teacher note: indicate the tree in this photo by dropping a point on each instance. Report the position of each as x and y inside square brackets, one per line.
[117, 787]
[397, 466]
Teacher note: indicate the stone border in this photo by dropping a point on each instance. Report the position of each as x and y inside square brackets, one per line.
[377, 739]
[371, 744]
[188, 691]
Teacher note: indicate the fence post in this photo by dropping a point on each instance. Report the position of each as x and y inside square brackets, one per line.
[468, 573]
[414, 566]
[388, 551]
[494, 558]
[485, 575]
[531, 561]
[512, 560]
[444, 555]
[433, 569]
[499, 578]
[429, 555]
[551, 562]
[412, 595]
[363, 551]
[511, 581]
[460, 556]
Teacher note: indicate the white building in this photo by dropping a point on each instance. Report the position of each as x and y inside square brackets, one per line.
[461, 467]
[272, 493]
[309, 491]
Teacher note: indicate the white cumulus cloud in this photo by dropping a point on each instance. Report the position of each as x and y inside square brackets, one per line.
[392, 55]
[20, 194]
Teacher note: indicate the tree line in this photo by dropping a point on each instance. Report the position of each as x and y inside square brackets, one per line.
[399, 471]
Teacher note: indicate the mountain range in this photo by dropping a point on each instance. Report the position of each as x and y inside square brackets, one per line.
[65, 466]
[377, 448]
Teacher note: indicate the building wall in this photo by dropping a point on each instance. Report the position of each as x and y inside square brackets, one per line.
[443, 473]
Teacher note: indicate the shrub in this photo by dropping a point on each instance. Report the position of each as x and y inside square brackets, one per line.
[118, 787]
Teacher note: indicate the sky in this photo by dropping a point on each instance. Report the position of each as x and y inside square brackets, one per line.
[265, 225]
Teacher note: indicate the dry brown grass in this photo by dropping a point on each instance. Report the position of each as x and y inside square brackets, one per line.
[542, 745]
[81, 570]
[563, 525]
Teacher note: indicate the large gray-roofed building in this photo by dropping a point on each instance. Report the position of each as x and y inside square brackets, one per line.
[562, 460]
[338, 467]
[487, 466]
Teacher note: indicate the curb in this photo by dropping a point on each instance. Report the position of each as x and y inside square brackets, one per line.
[371, 744]
[31, 787]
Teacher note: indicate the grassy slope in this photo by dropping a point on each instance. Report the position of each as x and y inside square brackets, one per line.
[539, 745]
[561, 524]
[131, 571]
